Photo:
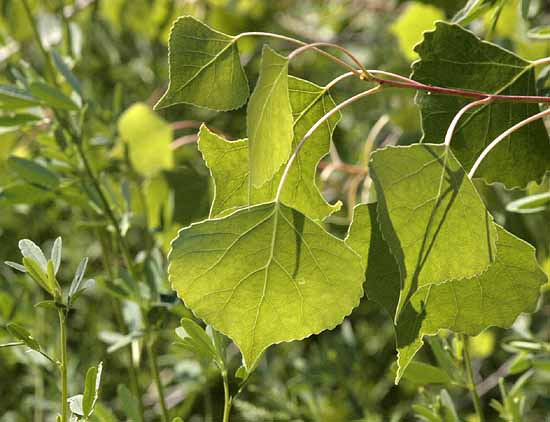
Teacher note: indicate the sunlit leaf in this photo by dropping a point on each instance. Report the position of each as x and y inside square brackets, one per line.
[228, 160]
[264, 275]
[205, 69]
[269, 119]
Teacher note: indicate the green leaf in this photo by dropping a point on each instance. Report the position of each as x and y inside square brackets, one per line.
[69, 76]
[75, 404]
[472, 10]
[205, 68]
[128, 403]
[12, 97]
[56, 254]
[34, 270]
[269, 119]
[91, 389]
[53, 284]
[29, 249]
[264, 275]
[15, 266]
[228, 160]
[18, 119]
[525, 6]
[471, 305]
[148, 137]
[539, 33]
[192, 333]
[52, 96]
[431, 215]
[77, 280]
[423, 374]
[410, 25]
[382, 277]
[453, 57]
[21, 333]
[33, 173]
[530, 204]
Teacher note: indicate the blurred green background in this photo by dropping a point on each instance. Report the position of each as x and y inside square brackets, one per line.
[118, 51]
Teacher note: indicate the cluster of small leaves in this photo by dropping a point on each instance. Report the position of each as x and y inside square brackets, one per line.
[262, 269]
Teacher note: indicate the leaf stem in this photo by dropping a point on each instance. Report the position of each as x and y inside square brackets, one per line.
[156, 378]
[227, 401]
[502, 137]
[301, 43]
[403, 82]
[362, 73]
[452, 126]
[471, 382]
[314, 128]
[63, 364]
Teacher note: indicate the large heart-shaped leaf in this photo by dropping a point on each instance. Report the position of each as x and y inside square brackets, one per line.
[453, 57]
[264, 275]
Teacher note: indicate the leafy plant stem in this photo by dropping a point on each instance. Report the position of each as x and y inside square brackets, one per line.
[502, 137]
[47, 58]
[156, 378]
[63, 364]
[471, 382]
[227, 400]
[107, 209]
[314, 128]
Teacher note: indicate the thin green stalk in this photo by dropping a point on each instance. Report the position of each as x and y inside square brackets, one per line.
[117, 309]
[156, 378]
[63, 365]
[471, 382]
[227, 401]
[47, 58]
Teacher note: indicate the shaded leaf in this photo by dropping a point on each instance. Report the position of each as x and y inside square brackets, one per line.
[33, 173]
[530, 204]
[269, 119]
[453, 57]
[423, 374]
[264, 275]
[91, 389]
[205, 68]
[21, 333]
[51, 96]
[128, 403]
[471, 305]
[431, 216]
[12, 97]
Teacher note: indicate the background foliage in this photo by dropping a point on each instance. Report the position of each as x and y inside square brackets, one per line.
[157, 182]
